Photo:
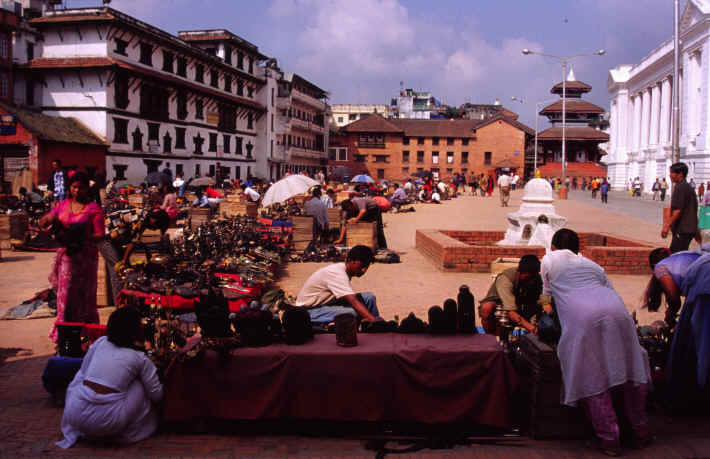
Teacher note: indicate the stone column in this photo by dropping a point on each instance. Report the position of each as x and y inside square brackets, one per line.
[666, 103]
[655, 114]
[645, 115]
[637, 121]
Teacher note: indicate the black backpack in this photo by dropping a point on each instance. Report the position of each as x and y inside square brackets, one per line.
[297, 325]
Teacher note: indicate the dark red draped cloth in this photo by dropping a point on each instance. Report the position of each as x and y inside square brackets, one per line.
[387, 377]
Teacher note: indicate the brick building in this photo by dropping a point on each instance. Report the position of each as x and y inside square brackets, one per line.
[29, 139]
[396, 148]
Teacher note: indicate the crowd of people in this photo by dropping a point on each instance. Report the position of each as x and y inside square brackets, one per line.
[599, 350]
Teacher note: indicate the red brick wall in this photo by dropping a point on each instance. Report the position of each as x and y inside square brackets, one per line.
[451, 251]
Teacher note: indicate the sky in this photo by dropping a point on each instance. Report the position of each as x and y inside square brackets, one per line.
[459, 50]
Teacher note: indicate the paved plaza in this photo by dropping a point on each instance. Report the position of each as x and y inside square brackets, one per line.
[30, 422]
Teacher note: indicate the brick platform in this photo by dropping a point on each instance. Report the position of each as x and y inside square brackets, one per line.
[473, 251]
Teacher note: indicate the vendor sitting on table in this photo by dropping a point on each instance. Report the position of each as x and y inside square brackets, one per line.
[328, 293]
[519, 292]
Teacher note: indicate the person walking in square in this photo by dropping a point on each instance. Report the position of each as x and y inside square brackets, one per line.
[604, 188]
[664, 189]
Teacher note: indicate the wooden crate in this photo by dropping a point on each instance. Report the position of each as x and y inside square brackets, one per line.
[234, 208]
[362, 233]
[13, 226]
[104, 295]
[541, 387]
[234, 197]
[302, 229]
[136, 200]
[198, 216]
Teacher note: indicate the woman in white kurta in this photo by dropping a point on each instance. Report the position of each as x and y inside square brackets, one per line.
[599, 348]
[114, 393]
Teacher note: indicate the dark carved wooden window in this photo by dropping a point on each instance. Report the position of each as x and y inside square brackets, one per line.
[137, 140]
[240, 60]
[250, 121]
[228, 83]
[168, 59]
[146, 56]
[228, 55]
[120, 130]
[238, 145]
[200, 73]
[227, 118]
[198, 140]
[240, 87]
[167, 143]
[119, 171]
[226, 139]
[213, 142]
[154, 102]
[121, 46]
[199, 109]
[181, 105]
[182, 66]
[120, 86]
[214, 78]
[153, 131]
[250, 147]
[180, 138]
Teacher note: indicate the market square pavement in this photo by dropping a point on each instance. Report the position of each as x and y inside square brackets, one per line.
[30, 422]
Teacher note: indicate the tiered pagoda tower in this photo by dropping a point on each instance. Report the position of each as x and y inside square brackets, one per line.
[583, 134]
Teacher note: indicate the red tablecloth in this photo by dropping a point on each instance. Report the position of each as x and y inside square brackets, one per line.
[387, 377]
[187, 304]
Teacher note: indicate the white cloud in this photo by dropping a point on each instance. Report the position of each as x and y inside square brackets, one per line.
[343, 45]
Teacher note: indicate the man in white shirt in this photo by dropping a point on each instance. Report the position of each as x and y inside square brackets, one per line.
[328, 293]
[514, 182]
[504, 186]
[249, 192]
[408, 187]
[328, 198]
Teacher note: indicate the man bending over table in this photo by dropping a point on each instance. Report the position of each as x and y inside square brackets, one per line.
[519, 292]
[328, 293]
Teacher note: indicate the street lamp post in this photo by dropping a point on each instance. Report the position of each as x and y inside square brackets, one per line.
[564, 60]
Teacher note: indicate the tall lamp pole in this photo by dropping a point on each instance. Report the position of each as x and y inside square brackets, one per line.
[564, 60]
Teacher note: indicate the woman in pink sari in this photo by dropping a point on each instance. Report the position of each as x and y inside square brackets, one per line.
[79, 225]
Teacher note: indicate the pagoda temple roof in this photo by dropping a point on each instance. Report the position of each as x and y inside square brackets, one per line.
[571, 86]
[574, 133]
[572, 106]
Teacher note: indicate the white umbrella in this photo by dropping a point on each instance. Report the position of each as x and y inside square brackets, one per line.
[286, 188]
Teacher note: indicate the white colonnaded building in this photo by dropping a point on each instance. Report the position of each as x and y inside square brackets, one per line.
[641, 107]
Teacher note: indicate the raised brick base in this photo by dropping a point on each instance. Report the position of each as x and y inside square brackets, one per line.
[473, 251]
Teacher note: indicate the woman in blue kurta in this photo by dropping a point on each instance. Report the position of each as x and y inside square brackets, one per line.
[684, 274]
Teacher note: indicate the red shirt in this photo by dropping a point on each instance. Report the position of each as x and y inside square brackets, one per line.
[212, 193]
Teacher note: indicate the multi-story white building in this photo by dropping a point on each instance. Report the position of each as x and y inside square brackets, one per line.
[641, 107]
[300, 124]
[411, 104]
[344, 114]
[192, 102]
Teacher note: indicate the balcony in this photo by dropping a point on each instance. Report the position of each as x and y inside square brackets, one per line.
[283, 102]
[306, 99]
[299, 152]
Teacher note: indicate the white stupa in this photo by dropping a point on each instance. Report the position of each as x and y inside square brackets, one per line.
[536, 221]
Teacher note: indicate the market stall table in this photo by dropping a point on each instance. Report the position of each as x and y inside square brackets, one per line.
[386, 377]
